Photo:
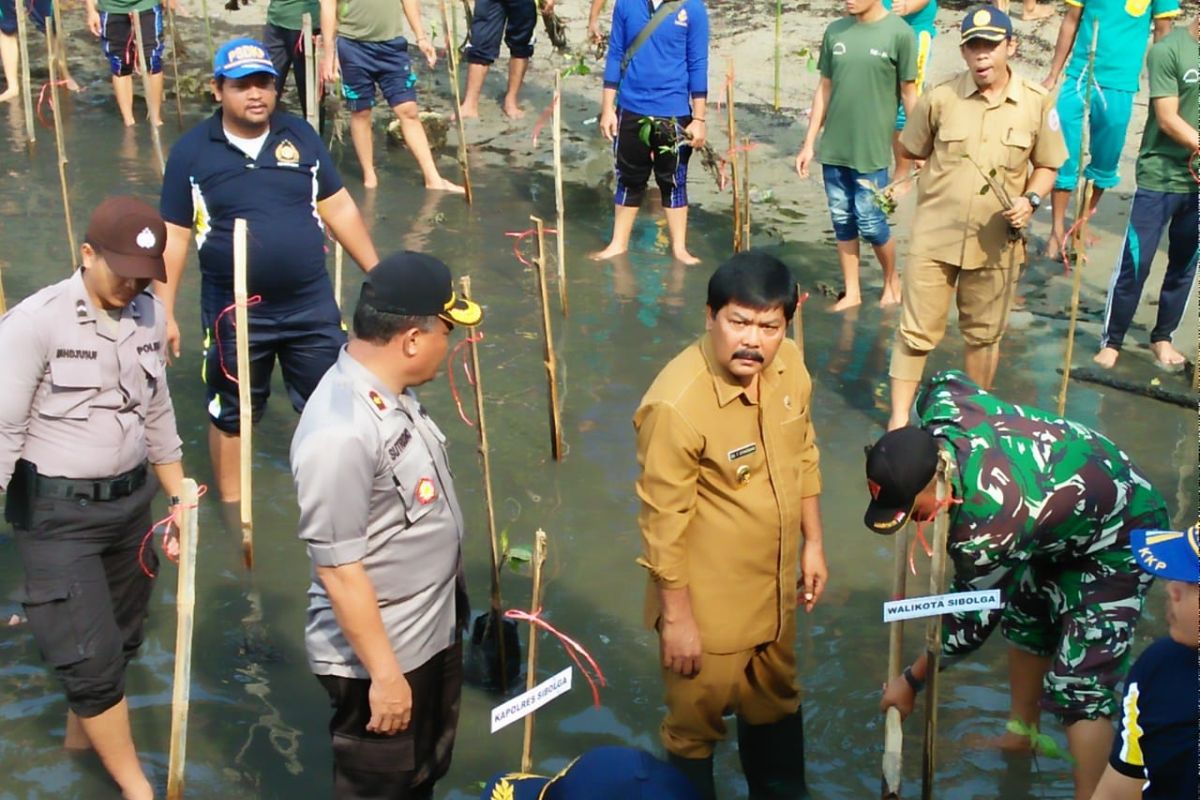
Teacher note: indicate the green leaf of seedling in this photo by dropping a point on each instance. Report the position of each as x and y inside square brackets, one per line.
[644, 130]
[520, 555]
[504, 542]
[812, 63]
[1018, 727]
[984, 189]
[992, 172]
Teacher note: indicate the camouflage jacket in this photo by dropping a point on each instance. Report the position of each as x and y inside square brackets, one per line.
[1033, 488]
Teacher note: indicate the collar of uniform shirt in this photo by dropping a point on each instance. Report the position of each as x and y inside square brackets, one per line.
[82, 303]
[727, 386]
[1013, 92]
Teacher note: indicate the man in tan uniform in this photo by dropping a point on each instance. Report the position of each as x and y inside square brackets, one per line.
[729, 516]
[964, 241]
[85, 406]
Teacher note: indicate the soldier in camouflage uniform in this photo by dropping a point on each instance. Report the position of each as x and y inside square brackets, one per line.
[1042, 510]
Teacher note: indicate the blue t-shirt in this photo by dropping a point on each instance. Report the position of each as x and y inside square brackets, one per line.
[1157, 734]
[669, 69]
[1123, 38]
[209, 183]
[921, 20]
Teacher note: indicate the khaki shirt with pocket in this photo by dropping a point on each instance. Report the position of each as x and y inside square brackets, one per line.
[721, 484]
[959, 221]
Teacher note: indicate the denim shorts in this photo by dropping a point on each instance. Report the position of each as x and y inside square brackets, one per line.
[851, 206]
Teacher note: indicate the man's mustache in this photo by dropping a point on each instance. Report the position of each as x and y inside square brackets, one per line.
[750, 355]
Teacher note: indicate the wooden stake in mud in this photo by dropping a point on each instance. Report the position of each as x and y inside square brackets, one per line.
[745, 194]
[185, 603]
[798, 325]
[173, 34]
[893, 733]
[310, 72]
[26, 87]
[497, 602]
[933, 631]
[245, 424]
[556, 443]
[212, 52]
[52, 44]
[733, 160]
[144, 68]
[452, 65]
[3, 299]
[535, 608]
[1082, 213]
[778, 47]
[560, 237]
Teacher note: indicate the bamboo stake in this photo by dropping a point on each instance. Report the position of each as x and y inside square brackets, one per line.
[245, 423]
[452, 65]
[559, 205]
[535, 604]
[185, 602]
[174, 35]
[26, 87]
[556, 443]
[310, 72]
[1082, 212]
[52, 42]
[798, 325]
[745, 194]
[212, 52]
[778, 47]
[933, 630]
[3, 298]
[893, 734]
[489, 499]
[144, 68]
[733, 161]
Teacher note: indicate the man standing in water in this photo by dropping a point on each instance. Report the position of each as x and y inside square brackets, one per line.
[85, 416]
[41, 14]
[965, 245]
[112, 21]
[868, 67]
[729, 490]
[268, 167]
[653, 110]
[515, 21]
[1042, 509]
[381, 520]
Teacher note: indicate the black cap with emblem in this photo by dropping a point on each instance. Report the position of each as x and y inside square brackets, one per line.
[899, 466]
[417, 285]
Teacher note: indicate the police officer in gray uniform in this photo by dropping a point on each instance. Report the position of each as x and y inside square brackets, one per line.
[85, 406]
[378, 512]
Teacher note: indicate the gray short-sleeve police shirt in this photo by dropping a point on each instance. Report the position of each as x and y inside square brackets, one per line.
[374, 486]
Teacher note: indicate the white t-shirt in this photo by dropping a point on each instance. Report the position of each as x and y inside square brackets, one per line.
[251, 147]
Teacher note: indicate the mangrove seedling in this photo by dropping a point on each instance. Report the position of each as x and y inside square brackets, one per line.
[1041, 744]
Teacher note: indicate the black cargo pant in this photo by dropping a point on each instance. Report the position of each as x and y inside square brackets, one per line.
[86, 594]
[405, 766]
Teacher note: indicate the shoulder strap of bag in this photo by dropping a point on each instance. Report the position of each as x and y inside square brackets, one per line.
[668, 8]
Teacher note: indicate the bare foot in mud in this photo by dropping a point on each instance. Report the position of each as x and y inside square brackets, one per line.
[612, 251]
[684, 257]
[9, 94]
[466, 112]
[1038, 13]
[73, 86]
[1107, 357]
[443, 185]
[846, 302]
[370, 179]
[1008, 742]
[1167, 357]
[1054, 248]
[513, 111]
[891, 295]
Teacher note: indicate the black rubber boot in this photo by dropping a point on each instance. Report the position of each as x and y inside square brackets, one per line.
[772, 758]
[697, 770]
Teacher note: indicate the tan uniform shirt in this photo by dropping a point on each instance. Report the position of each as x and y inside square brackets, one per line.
[956, 222]
[79, 401]
[721, 483]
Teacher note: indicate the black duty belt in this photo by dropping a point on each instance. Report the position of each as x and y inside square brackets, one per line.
[122, 485]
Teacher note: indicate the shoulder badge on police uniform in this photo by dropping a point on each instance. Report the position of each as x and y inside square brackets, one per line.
[286, 154]
[377, 402]
[426, 491]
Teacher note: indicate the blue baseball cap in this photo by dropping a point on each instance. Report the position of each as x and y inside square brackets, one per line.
[1168, 554]
[241, 57]
[986, 22]
[600, 774]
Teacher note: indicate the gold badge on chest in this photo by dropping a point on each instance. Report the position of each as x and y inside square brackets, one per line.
[743, 475]
[287, 154]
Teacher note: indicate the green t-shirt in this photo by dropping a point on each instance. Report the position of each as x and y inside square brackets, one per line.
[125, 6]
[370, 20]
[866, 62]
[1174, 67]
[288, 14]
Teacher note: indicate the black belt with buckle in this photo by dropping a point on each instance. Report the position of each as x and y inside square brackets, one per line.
[122, 485]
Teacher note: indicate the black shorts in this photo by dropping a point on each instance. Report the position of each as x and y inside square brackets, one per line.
[369, 766]
[86, 594]
[514, 20]
[665, 154]
[306, 341]
[286, 48]
[120, 44]
[40, 11]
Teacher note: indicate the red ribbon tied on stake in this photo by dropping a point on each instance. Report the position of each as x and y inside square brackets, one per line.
[574, 649]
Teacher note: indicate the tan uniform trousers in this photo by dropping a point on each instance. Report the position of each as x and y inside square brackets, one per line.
[984, 300]
[758, 685]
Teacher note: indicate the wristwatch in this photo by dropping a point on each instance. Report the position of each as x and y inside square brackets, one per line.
[1035, 200]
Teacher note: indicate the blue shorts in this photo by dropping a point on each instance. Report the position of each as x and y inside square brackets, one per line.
[515, 20]
[852, 206]
[39, 12]
[1111, 109]
[306, 341]
[119, 42]
[365, 64]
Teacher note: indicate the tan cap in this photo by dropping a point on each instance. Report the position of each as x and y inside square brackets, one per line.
[131, 236]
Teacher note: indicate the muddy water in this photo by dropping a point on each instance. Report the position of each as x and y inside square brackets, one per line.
[257, 715]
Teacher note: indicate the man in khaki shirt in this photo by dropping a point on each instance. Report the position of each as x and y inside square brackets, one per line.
[963, 240]
[729, 516]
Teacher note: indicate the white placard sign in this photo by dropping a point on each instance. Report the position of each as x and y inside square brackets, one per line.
[526, 703]
[914, 607]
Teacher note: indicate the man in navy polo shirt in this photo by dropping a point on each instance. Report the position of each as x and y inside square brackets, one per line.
[269, 168]
[1154, 755]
